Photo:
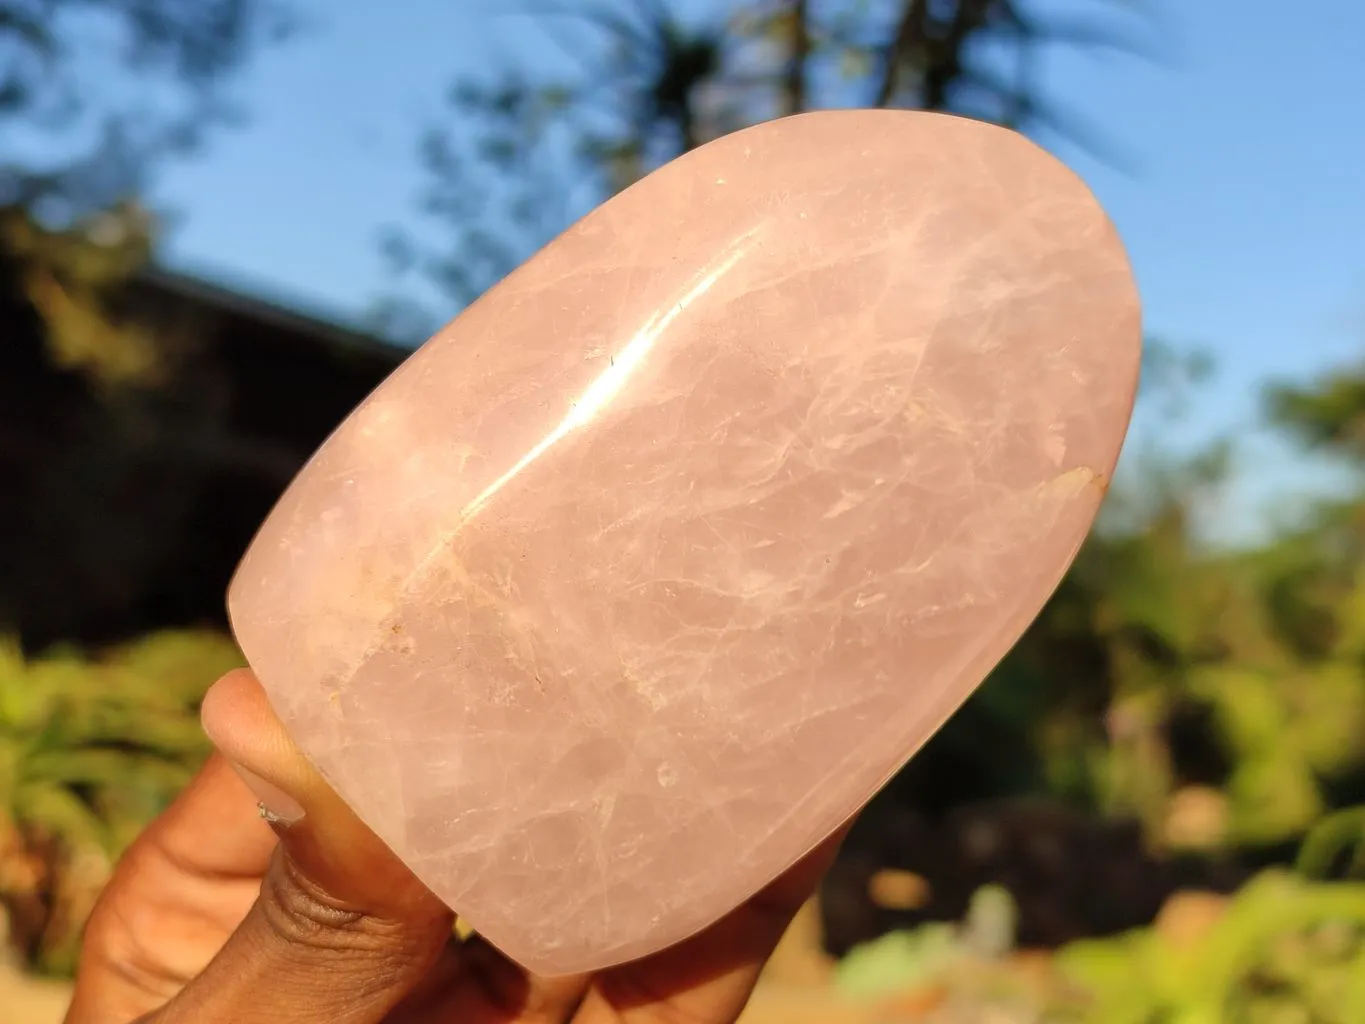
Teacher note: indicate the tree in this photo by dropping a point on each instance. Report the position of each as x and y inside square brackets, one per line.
[93, 92]
[633, 83]
[1327, 414]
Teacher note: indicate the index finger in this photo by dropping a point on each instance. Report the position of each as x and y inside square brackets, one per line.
[181, 889]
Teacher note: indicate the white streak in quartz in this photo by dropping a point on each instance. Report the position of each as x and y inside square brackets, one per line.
[602, 390]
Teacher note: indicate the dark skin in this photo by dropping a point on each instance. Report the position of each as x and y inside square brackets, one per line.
[216, 916]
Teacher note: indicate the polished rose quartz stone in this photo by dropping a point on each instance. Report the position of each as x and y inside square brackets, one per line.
[645, 573]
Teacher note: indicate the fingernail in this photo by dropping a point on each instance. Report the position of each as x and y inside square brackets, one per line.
[277, 806]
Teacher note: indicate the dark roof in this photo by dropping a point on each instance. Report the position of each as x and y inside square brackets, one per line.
[253, 305]
[114, 524]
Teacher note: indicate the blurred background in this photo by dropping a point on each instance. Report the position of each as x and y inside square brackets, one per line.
[223, 222]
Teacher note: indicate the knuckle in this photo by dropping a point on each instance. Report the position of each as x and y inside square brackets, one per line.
[301, 914]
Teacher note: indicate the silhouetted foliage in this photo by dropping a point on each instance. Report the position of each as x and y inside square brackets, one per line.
[92, 92]
[626, 85]
[1328, 414]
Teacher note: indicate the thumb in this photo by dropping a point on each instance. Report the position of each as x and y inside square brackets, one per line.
[341, 930]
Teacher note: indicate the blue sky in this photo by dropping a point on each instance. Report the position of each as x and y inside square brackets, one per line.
[1243, 207]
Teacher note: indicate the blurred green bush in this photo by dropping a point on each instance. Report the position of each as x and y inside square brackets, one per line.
[90, 751]
[1284, 950]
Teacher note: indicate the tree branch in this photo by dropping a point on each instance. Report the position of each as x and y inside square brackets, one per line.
[900, 43]
[794, 85]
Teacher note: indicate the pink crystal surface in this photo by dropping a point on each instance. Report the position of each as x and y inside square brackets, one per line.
[645, 573]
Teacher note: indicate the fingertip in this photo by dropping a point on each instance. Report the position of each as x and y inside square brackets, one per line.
[315, 823]
[219, 709]
[237, 717]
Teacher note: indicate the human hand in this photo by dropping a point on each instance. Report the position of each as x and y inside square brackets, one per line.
[216, 916]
